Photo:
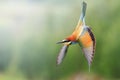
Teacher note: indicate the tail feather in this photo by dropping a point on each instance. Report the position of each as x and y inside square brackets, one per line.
[84, 6]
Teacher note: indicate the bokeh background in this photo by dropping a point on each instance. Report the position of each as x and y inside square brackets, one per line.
[29, 30]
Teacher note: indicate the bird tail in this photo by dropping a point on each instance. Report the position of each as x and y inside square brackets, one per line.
[82, 16]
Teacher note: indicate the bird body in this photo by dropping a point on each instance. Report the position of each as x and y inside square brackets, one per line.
[81, 35]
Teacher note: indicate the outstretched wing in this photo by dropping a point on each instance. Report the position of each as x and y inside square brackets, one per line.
[62, 53]
[87, 41]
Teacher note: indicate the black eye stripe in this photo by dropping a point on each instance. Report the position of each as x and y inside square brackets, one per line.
[66, 41]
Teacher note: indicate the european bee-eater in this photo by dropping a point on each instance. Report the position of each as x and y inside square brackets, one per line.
[81, 35]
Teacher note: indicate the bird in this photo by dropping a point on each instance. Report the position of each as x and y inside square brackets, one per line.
[81, 35]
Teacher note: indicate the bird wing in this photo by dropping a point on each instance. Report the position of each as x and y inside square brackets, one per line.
[62, 53]
[87, 41]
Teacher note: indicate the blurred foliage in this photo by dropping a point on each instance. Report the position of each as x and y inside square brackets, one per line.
[29, 31]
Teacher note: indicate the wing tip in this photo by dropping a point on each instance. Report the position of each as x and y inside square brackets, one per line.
[62, 54]
[58, 61]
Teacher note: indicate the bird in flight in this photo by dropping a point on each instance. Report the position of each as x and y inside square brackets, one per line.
[83, 36]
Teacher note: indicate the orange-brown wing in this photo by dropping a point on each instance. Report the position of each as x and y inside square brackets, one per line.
[87, 41]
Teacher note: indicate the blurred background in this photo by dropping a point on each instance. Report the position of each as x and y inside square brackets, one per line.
[29, 30]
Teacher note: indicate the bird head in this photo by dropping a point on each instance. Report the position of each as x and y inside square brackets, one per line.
[68, 40]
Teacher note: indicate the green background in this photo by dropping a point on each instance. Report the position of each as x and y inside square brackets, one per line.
[29, 30]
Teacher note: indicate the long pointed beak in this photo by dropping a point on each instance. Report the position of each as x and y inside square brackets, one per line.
[63, 41]
[60, 42]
